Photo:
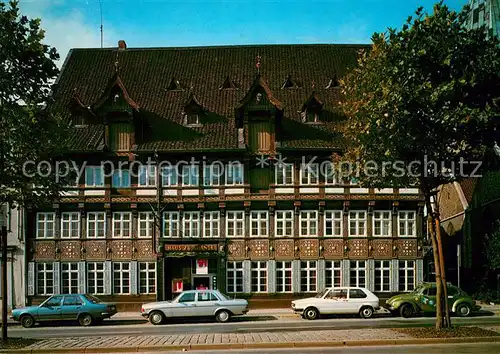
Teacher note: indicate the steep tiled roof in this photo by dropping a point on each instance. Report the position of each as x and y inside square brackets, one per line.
[147, 74]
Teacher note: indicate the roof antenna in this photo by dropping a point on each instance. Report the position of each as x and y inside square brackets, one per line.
[100, 7]
[257, 64]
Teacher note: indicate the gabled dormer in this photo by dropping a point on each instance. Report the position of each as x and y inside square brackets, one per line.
[81, 114]
[174, 85]
[193, 112]
[310, 111]
[290, 83]
[228, 84]
[333, 83]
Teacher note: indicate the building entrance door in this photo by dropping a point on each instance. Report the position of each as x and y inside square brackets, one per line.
[202, 282]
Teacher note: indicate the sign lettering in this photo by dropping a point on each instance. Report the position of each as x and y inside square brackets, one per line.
[192, 248]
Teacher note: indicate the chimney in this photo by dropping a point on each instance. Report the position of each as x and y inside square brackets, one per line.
[122, 45]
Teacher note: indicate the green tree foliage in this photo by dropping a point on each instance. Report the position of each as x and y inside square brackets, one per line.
[428, 91]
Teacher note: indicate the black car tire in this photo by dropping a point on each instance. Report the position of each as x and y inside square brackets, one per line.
[366, 312]
[463, 310]
[27, 321]
[223, 316]
[156, 318]
[406, 310]
[311, 313]
[85, 320]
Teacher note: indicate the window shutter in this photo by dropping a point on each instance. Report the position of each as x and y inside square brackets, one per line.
[82, 279]
[31, 278]
[133, 278]
[57, 277]
[108, 278]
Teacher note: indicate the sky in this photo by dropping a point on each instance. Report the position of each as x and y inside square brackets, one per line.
[163, 23]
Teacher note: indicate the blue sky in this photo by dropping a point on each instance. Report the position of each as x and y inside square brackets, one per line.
[159, 23]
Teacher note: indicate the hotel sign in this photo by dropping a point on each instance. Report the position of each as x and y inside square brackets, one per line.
[191, 248]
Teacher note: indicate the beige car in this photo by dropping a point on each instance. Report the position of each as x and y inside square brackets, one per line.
[195, 303]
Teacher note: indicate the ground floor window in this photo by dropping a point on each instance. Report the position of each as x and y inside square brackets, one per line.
[333, 274]
[382, 275]
[121, 278]
[69, 276]
[147, 277]
[44, 278]
[406, 275]
[283, 276]
[259, 277]
[308, 276]
[234, 277]
[357, 274]
[95, 277]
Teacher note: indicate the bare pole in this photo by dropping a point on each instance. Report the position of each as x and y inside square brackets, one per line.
[100, 7]
[3, 234]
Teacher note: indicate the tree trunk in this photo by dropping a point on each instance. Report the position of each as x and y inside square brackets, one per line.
[437, 270]
[447, 320]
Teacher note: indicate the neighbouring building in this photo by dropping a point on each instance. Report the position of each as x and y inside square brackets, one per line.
[485, 13]
[250, 218]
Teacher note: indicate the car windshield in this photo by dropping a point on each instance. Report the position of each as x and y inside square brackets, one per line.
[321, 293]
[222, 296]
[418, 289]
[92, 299]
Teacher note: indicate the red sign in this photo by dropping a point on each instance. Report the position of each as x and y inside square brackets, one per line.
[177, 286]
[202, 266]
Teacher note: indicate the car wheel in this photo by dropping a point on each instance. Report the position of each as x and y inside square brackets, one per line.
[223, 316]
[85, 320]
[27, 321]
[406, 310]
[156, 317]
[366, 312]
[311, 313]
[463, 310]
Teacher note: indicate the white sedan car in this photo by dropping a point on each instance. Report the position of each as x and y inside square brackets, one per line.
[195, 303]
[344, 300]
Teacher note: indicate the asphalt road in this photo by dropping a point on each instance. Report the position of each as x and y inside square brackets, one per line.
[245, 324]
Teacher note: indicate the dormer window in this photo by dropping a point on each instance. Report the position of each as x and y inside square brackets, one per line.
[312, 117]
[333, 83]
[192, 119]
[289, 83]
[174, 85]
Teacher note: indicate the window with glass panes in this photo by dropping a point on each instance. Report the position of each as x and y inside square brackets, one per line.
[171, 224]
[45, 225]
[169, 176]
[406, 275]
[211, 224]
[283, 276]
[328, 171]
[382, 223]
[284, 174]
[357, 275]
[333, 223]
[382, 276]
[284, 223]
[357, 223]
[44, 278]
[235, 221]
[407, 222]
[191, 224]
[309, 223]
[234, 277]
[258, 274]
[190, 175]
[234, 174]
[333, 274]
[70, 225]
[147, 176]
[96, 225]
[212, 174]
[95, 277]
[121, 278]
[146, 224]
[147, 277]
[309, 173]
[94, 176]
[121, 178]
[69, 278]
[308, 276]
[259, 224]
[122, 224]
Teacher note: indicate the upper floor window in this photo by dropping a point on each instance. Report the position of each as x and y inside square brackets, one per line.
[121, 178]
[357, 223]
[45, 225]
[309, 173]
[235, 224]
[190, 175]
[146, 224]
[284, 223]
[192, 119]
[70, 225]
[329, 173]
[211, 223]
[382, 223]
[259, 223]
[147, 176]
[171, 224]
[212, 174]
[169, 176]
[407, 222]
[191, 224]
[234, 173]
[312, 117]
[94, 176]
[333, 223]
[309, 223]
[96, 224]
[284, 174]
[122, 224]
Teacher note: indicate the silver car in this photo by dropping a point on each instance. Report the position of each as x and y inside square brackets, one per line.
[195, 303]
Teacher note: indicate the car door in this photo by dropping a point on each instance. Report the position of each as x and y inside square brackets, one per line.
[72, 305]
[206, 303]
[453, 295]
[427, 301]
[185, 306]
[50, 310]
[356, 299]
[335, 301]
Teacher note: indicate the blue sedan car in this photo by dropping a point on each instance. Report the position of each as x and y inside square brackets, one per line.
[84, 308]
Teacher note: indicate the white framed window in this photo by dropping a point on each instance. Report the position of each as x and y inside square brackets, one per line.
[259, 224]
[283, 276]
[407, 222]
[171, 224]
[309, 223]
[333, 223]
[44, 278]
[329, 173]
[235, 224]
[121, 178]
[283, 223]
[190, 175]
[121, 278]
[69, 278]
[357, 223]
[382, 224]
[309, 173]
[234, 277]
[212, 174]
[234, 173]
[45, 225]
[70, 225]
[333, 274]
[169, 176]
[382, 276]
[258, 274]
[191, 224]
[122, 224]
[211, 224]
[284, 174]
[357, 274]
[147, 277]
[308, 276]
[96, 224]
[406, 275]
[95, 277]
[146, 223]
[192, 119]
[147, 176]
[94, 176]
